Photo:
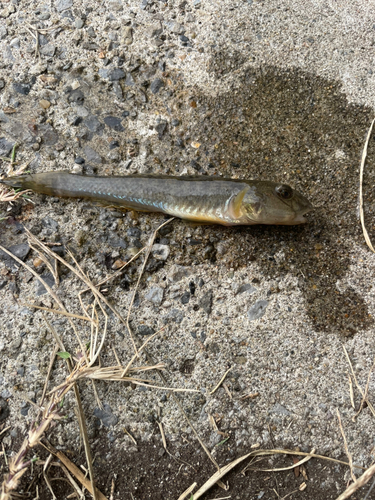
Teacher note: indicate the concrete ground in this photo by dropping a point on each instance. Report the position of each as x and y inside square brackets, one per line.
[274, 90]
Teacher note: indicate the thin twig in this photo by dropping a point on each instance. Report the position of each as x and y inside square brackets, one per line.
[348, 454]
[221, 380]
[187, 491]
[351, 392]
[361, 210]
[45, 470]
[361, 481]
[56, 311]
[151, 242]
[177, 401]
[73, 469]
[6, 429]
[52, 360]
[79, 275]
[47, 287]
[364, 397]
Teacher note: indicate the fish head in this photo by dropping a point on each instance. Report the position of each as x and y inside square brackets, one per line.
[272, 203]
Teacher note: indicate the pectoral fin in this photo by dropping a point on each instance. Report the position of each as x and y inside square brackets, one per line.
[236, 204]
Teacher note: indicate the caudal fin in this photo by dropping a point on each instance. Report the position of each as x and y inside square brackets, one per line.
[18, 181]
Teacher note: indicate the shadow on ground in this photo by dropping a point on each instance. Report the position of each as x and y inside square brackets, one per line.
[297, 128]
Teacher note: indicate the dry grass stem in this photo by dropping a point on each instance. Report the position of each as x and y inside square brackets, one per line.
[351, 392]
[359, 483]
[81, 276]
[6, 429]
[18, 465]
[221, 381]
[217, 476]
[56, 311]
[259, 453]
[297, 464]
[85, 438]
[55, 335]
[348, 454]
[131, 437]
[113, 484]
[363, 393]
[178, 403]
[187, 491]
[81, 419]
[256, 453]
[9, 195]
[84, 361]
[361, 210]
[120, 270]
[127, 368]
[162, 435]
[226, 389]
[151, 242]
[47, 287]
[73, 469]
[52, 360]
[45, 469]
[52, 268]
[78, 492]
[4, 454]
[222, 498]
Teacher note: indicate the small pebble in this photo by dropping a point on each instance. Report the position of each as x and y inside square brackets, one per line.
[129, 80]
[111, 74]
[37, 262]
[114, 123]
[92, 155]
[156, 85]
[40, 288]
[21, 251]
[128, 35]
[22, 88]
[43, 103]
[92, 123]
[155, 295]
[206, 302]
[79, 23]
[174, 315]
[246, 288]
[62, 5]
[160, 252]
[177, 273]
[257, 310]
[145, 330]
[106, 416]
[5, 146]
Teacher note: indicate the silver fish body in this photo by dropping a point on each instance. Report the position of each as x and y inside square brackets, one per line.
[212, 200]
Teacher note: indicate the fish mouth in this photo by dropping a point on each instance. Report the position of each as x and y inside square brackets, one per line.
[300, 217]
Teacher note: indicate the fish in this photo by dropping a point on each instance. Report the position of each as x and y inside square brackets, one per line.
[200, 199]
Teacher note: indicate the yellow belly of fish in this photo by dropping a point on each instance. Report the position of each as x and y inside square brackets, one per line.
[196, 215]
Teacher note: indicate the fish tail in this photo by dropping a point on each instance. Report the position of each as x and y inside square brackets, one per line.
[19, 181]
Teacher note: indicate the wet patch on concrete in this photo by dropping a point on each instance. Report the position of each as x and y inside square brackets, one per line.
[300, 129]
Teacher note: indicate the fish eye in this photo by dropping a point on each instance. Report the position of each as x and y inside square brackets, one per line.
[284, 192]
